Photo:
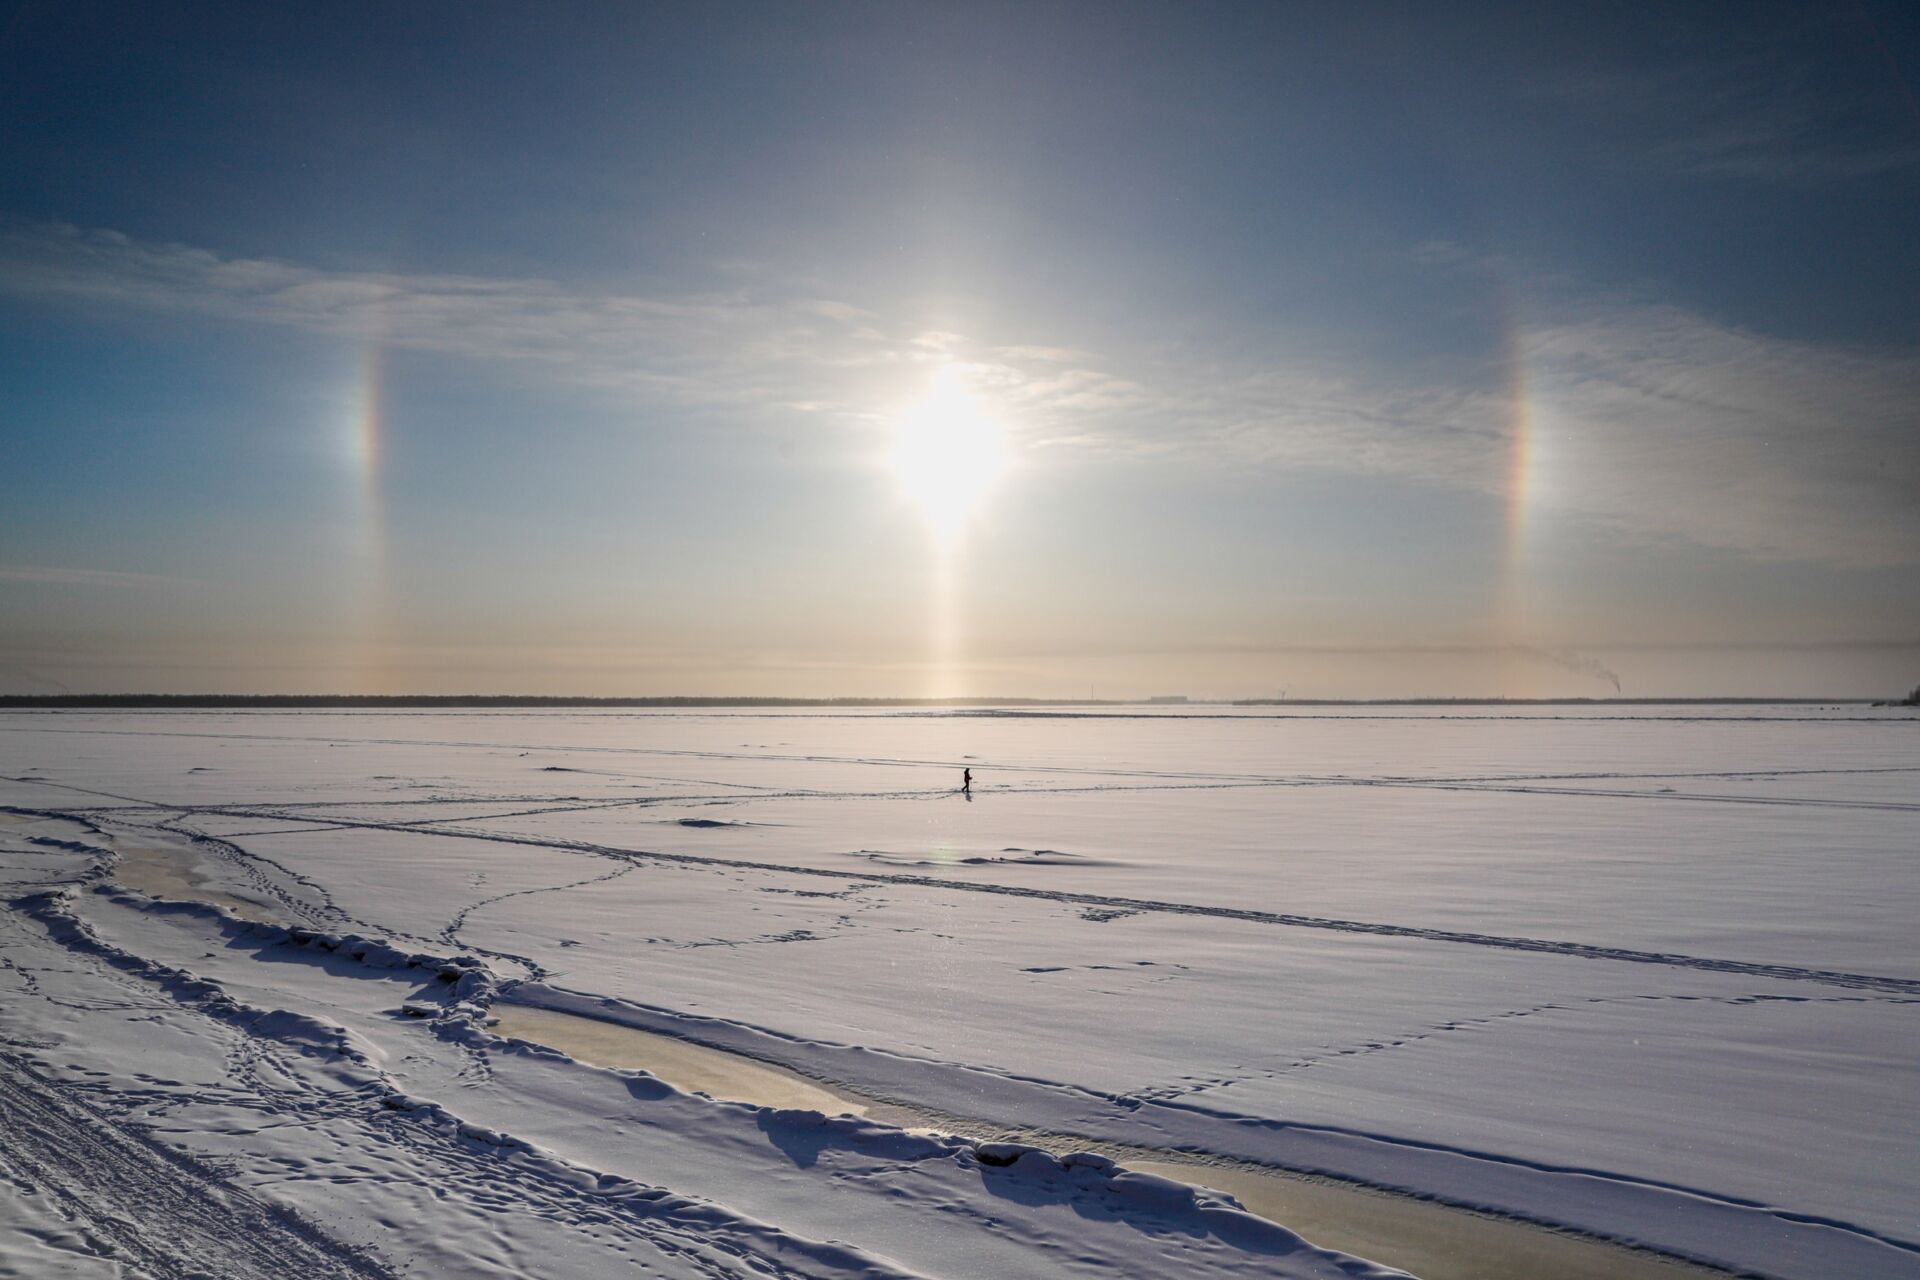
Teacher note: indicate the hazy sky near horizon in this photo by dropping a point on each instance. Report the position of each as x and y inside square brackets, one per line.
[1347, 350]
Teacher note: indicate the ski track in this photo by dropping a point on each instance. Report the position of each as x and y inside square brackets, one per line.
[307, 902]
[1164, 776]
[1415, 710]
[1537, 946]
[440, 1144]
[311, 903]
[875, 761]
[1165, 779]
[388, 1135]
[131, 1199]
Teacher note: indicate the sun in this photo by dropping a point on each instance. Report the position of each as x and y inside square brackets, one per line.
[947, 454]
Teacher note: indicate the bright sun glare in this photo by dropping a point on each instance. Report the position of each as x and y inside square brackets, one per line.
[947, 453]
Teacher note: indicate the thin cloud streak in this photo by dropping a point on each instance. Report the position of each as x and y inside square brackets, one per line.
[1754, 115]
[113, 578]
[1651, 421]
[1572, 657]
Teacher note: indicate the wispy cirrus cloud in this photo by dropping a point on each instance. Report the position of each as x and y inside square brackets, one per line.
[47, 575]
[1653, 417]
[617, 340]
[1652, 420]
[1792, 106]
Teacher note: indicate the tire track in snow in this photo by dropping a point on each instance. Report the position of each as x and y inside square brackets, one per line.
[1171, 781]
[136, 1202]
[1615, 793]
[805, 711]
[1611, 776]
[405, 1138]
[1536, 946]
[1168, 775]
[1542, 946]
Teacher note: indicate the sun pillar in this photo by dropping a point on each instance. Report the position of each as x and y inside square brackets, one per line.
[948, 452]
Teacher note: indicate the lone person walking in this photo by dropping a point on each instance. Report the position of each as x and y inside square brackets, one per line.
[966, 781]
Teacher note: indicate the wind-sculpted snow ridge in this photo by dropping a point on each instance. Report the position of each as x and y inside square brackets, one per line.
[763, 1242]
[453, 1006]
[72, 846]
[1029, 1170]
[468, 987]
[1154, 1195]
[1697, 1224]
[461, 1017]
[758, 1247]
[1252, 973]
[54, 911]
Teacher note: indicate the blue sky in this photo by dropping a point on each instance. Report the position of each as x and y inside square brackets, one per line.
[1354, 351]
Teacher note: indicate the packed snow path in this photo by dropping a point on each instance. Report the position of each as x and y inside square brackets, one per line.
[1600, 972]
[115, 1193]
[289, 1078]
[430, 826]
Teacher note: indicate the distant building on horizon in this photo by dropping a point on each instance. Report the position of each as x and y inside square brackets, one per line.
[1167, 699]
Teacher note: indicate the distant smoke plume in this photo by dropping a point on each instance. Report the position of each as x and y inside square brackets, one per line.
[1578, 663]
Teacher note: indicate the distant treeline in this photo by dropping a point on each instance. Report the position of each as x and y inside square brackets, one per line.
[1549, 702]
[222, 701]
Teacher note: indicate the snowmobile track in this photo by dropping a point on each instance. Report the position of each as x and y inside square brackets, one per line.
[134, 1201]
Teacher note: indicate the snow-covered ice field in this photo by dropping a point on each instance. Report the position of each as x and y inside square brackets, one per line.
[1645, 973]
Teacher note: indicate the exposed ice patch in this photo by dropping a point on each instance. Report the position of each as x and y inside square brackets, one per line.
[1011, 856]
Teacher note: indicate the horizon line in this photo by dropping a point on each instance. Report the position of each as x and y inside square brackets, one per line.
[110, 701]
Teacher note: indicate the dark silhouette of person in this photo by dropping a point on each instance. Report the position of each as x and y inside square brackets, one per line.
[966, 781]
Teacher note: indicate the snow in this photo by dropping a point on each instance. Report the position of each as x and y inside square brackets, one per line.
[1645, 974]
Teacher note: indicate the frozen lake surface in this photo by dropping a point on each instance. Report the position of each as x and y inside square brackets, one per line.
[1646, 973]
